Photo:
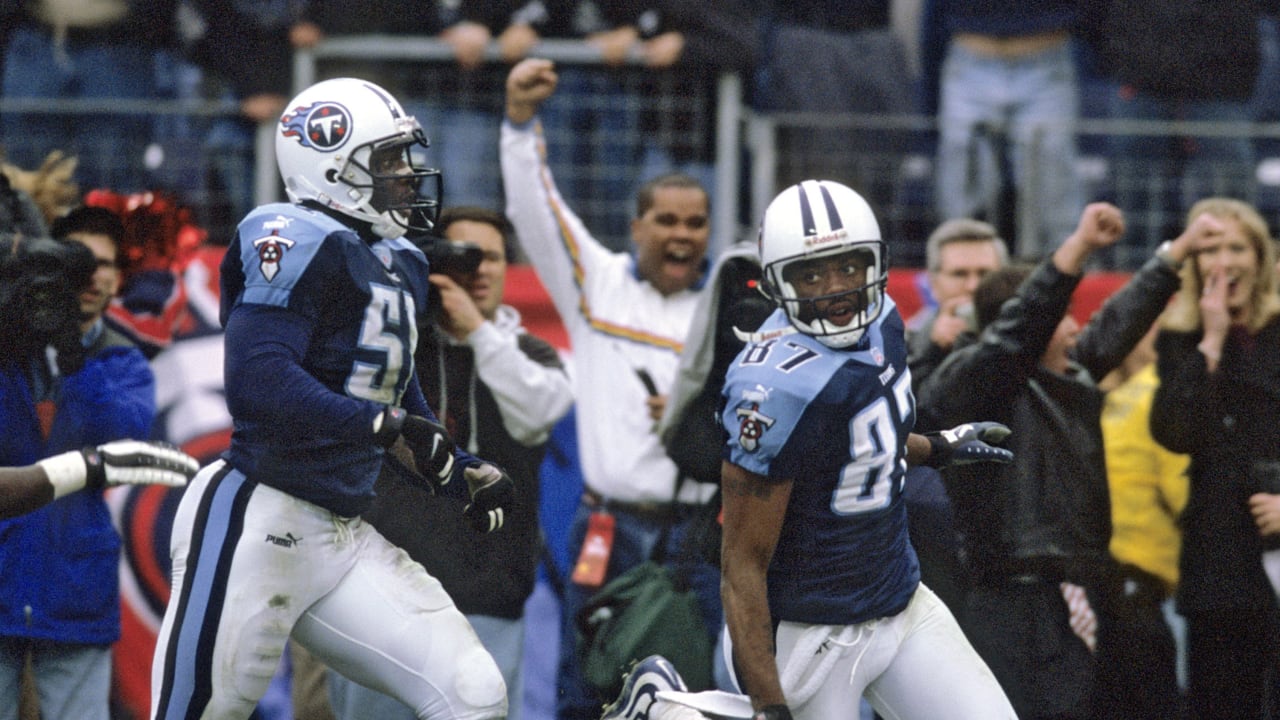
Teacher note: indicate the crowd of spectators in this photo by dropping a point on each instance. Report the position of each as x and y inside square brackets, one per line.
[1010, 155]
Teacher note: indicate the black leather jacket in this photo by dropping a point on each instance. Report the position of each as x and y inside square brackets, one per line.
[1048, 513]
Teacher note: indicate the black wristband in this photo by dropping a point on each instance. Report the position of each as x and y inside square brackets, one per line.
[392, 422]
[95, 472]
[939, 451]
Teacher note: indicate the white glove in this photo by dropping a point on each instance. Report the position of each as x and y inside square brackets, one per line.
[122, 462]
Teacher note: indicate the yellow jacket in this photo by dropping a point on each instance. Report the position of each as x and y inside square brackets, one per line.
[1148, 483]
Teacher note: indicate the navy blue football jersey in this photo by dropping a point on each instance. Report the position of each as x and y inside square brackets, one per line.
[321, 328]
[836, 422]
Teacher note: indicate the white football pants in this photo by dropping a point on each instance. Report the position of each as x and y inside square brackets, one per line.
[253, 566]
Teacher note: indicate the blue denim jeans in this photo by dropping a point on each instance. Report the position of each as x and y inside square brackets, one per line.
[110, 146]
[634, 539]
[464, 146]
[74, 681]
[1028, 106]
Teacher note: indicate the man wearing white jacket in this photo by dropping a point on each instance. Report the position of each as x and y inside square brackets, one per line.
[627, 316]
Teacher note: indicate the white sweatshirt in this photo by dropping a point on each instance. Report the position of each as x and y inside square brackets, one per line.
[617, 323]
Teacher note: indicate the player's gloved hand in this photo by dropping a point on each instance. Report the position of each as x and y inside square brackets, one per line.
[773, 712]
[969, 443]
[492, 494]
[123, 462]
[429, 442]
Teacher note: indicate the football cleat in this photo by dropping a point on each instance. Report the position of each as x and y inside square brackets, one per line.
[644, 681]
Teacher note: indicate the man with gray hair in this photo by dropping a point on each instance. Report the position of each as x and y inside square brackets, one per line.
[959, 253]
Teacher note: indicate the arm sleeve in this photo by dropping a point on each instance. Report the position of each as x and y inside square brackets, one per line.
[1186, 413]
[265, 380]
[553, 238]
[924, 360]
[415, 402]
[527, 381]
[1124, 318]
[115, 397]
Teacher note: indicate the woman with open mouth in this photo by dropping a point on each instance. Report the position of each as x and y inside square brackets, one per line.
[1219, 401]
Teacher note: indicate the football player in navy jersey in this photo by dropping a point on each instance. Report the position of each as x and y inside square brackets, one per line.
[820, 584]
[321, 299]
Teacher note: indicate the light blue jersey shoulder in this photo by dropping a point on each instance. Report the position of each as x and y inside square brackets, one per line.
[776, 382]
[277, 243]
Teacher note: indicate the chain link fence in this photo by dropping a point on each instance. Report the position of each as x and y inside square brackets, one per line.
[609, 129]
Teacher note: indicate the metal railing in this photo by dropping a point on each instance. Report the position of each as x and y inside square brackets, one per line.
[889, 158]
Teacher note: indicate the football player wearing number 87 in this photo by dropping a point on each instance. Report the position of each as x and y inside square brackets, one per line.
[321, 300]
[819, 410]
[820, 584]
[819, 580]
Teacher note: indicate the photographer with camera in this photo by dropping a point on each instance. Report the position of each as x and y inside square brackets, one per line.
[68, 382]
[499, 391]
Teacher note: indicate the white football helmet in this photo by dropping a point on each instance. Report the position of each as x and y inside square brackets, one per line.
[325, 143]
[816, 219]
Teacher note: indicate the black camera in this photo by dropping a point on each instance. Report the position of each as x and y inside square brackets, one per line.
[40, 283]
[458, 260]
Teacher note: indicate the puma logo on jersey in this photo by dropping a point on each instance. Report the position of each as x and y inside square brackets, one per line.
[287, 541]
[276, 225]
[756, 395]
